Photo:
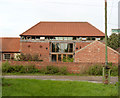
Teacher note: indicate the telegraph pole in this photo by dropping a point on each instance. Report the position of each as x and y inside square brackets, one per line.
[106, 56]
[106, 69]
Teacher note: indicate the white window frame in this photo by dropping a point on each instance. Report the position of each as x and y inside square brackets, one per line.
[4, 56]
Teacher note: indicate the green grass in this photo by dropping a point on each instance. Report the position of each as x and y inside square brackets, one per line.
[33, 87]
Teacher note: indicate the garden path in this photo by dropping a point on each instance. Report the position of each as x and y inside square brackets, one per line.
[94, 79]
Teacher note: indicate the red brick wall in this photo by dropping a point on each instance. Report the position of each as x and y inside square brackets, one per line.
[81, 45]
[72, 67]
[95, 53]
[36, 48]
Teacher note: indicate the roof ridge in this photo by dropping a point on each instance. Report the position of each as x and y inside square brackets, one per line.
[63, 21]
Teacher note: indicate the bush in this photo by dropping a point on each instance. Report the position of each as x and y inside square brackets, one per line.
[63, 70]
[98, 69]
[7, 68]
[114, 71]
[95, 70]
[51, 70]
[54, 70]
[27, 57]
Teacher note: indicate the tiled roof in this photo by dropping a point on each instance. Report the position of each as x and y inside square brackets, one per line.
[10, 44]
[63, 29]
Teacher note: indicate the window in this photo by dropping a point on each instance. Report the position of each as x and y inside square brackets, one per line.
[97, 38]
[88, 38]
[33, 37]
[53, 57]
[83, 38]
[70, 38]
[6, 56]
[53, 47]
[42, 38]
[62, 47]
[37, 38]
[59, 57]
[28, 37]
[93, 38]
[57, 47]
[70, 56]
[70, 47]
[79, 38]
[65, 38]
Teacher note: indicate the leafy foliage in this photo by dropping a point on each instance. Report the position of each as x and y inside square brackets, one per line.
[68, 59]
[7, 68]
[28, 57]
[97, 70]
[54, 70]
[114, 41]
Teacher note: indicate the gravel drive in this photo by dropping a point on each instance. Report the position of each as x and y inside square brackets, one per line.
[94, 79]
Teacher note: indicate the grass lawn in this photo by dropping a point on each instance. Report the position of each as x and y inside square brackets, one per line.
[33, 87]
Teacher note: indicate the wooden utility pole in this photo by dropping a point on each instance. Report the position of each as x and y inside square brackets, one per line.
[106, 56]
[106, 69]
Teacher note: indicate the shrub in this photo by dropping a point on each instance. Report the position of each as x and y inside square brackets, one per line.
[22, 57]
[27, 57]
[7, 68]
[63, 70]
[52, 70]
[98, 69]
[95, 70]
[114, 71]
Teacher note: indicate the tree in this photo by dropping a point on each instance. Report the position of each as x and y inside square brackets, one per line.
[114, 40]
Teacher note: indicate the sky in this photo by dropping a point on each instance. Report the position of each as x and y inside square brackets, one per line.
[16, 16]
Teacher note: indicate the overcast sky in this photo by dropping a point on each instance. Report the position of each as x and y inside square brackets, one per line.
[16, 16]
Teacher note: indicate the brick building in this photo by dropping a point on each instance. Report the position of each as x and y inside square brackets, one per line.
[54, 41]
[9, 48]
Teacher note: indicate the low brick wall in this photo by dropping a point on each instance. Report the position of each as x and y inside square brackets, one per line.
[72, 67]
